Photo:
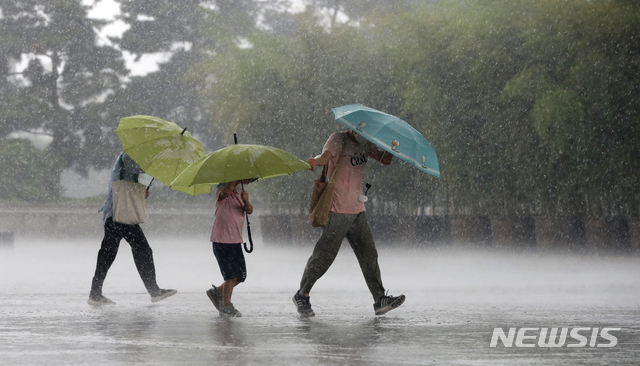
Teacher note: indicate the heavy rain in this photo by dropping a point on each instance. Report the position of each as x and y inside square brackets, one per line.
[517, 244]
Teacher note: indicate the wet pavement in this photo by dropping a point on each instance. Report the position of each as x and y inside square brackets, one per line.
[455, 299]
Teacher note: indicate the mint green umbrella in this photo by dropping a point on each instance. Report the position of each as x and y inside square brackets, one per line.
[391, 134]
[161, 148]
[238, 162]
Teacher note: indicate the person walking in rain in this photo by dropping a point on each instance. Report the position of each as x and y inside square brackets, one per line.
[350, 152]
[124, 169]
[226, 239]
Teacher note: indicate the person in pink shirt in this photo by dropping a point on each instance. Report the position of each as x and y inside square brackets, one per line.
[226, 238]
[349, 152]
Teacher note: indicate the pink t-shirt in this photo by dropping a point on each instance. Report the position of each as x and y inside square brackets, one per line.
[227, 227]
[349, 182]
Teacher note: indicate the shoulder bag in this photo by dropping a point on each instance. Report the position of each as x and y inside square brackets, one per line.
[128, 200]
[322, 195]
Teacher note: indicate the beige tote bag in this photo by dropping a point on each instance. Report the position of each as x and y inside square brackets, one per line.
[322, 194]
[321, 198]
[128, 202]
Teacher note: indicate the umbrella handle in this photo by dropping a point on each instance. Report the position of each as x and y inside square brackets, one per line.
[250, 249]
[246, 215]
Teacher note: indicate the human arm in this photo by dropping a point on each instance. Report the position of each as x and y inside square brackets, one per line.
[248, 205]
[321, 160]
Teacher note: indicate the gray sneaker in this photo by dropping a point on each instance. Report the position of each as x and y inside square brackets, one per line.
[229, 311]
[215, 296]
[387, 303]
[99, 301]
[162, 294]
[303, 304]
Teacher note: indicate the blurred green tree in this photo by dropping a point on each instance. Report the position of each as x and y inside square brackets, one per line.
[60, 93]
[579, 80]
[531, 102]
[186, 31]
[32, 174]
[280, 92]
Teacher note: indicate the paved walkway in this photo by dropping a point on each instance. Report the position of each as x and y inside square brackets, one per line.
[455, 299]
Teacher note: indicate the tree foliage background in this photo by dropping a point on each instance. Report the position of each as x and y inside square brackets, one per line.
[532, 107]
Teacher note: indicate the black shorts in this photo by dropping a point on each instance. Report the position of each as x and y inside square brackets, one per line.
[231, 261]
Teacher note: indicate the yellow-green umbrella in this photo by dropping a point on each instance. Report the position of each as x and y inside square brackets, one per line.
[237, 162]
[161, 148]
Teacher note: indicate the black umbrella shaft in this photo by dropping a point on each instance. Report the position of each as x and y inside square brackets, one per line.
[246, 214]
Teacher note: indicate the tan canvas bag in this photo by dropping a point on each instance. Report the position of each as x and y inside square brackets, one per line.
[128, 200]
[322, 195]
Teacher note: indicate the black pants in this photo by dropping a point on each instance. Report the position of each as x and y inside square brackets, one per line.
[142, 255]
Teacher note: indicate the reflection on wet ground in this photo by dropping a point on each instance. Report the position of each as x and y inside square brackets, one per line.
[454, 301]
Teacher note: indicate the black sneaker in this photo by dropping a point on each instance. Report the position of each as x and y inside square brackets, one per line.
[215, 296]
[387, 303]
[229, 311]
[303, 304]
[99, 301]
[162, 294]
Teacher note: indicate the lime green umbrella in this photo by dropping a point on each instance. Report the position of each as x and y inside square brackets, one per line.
[161, 148]
[238, 162]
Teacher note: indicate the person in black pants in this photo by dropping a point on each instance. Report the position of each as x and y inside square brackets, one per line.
[127, 169]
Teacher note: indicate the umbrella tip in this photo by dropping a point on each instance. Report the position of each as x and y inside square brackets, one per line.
[182, 133]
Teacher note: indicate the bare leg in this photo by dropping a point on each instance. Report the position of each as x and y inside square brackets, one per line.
[227, 290]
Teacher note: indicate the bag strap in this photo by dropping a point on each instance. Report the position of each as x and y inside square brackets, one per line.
[323, 176]
[121, 164]
[339, 162]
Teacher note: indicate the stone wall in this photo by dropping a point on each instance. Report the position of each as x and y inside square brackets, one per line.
[73, 220]
[519, 230]
[634, 233]
[471, 230]
[619, 234]
[557, 234]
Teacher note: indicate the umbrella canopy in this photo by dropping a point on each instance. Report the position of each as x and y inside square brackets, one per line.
[161, 148]
[391, 134]
[237, 162]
